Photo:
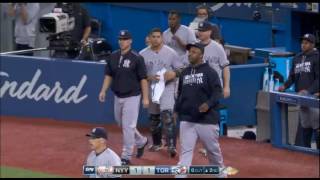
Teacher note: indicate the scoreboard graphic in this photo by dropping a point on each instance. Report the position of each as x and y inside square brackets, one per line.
[158, 170]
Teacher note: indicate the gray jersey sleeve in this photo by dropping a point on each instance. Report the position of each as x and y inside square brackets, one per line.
[191, 37]
[176, 62]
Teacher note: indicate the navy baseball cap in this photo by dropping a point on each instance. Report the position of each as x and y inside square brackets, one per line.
[204, 26]
[98, 132]
[309, 37]
[197, 45]
[124, 34]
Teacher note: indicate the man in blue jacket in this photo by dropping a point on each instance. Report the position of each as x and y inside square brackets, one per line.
[199, 92]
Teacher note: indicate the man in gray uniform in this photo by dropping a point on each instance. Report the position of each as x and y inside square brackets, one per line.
[177, 36]
[101, 155]
[158, 56]
[199, 92]
[127, 71]
[214, 55]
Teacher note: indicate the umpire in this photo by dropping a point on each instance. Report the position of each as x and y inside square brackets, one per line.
[126, 72]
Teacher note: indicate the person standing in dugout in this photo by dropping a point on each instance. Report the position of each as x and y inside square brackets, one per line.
[304, 75]
[126, 72]
[199, 92]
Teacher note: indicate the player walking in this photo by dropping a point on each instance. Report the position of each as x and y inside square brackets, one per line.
[126, 70]
[199, 92]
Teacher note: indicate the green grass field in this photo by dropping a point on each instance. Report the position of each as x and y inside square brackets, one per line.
[12, 172]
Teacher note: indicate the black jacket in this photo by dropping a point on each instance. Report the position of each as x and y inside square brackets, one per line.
[198, 85]
[304, 73]
[126, 73]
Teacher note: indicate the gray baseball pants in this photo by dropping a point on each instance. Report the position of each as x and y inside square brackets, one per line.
[126, 111]
[208, 134]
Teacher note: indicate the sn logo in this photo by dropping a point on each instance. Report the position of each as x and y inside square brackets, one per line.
[88, 170]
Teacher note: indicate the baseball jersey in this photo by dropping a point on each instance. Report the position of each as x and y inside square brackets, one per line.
[184, 33]
[198, 84]
[126, 71]
[106, 158]
[216, 57]
[166, 58]
[154, 61]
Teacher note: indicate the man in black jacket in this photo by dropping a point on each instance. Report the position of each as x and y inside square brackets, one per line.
[304, 74]
[126, 72]
[199, 92]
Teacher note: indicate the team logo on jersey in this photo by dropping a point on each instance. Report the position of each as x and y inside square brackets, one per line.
[193, 79]
[303, 67]
[126, 63]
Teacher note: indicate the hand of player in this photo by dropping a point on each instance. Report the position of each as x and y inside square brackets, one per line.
[145, 102]
[317, 94]
[281, 89]
[102, 96]
[204, 107]
[174, 37]
[178, 40]
[226, 92]
[175, 116]
[303, 92]
[154, 78]
[83, 42]
[169, 75]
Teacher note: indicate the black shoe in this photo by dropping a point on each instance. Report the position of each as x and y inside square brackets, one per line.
[140, 151]
[125, 162]
[172, 152]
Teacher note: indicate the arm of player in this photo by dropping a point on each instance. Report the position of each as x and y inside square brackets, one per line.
[24, 14]
[290, 81]
[179, 41]
[176, 65]
[86, 34]
[142, 75]
[176, 105]
[29, 12]
[87, 25]
[314, 88]
[12, 9]
[224, 65]
[106, 84]
[226, 81]
[145, 93]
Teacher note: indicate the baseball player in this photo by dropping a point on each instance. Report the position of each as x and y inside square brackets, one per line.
[101, 155]
[216, 57]
[126, 70]
[177, 36]
[158, 56]
[199, 92]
